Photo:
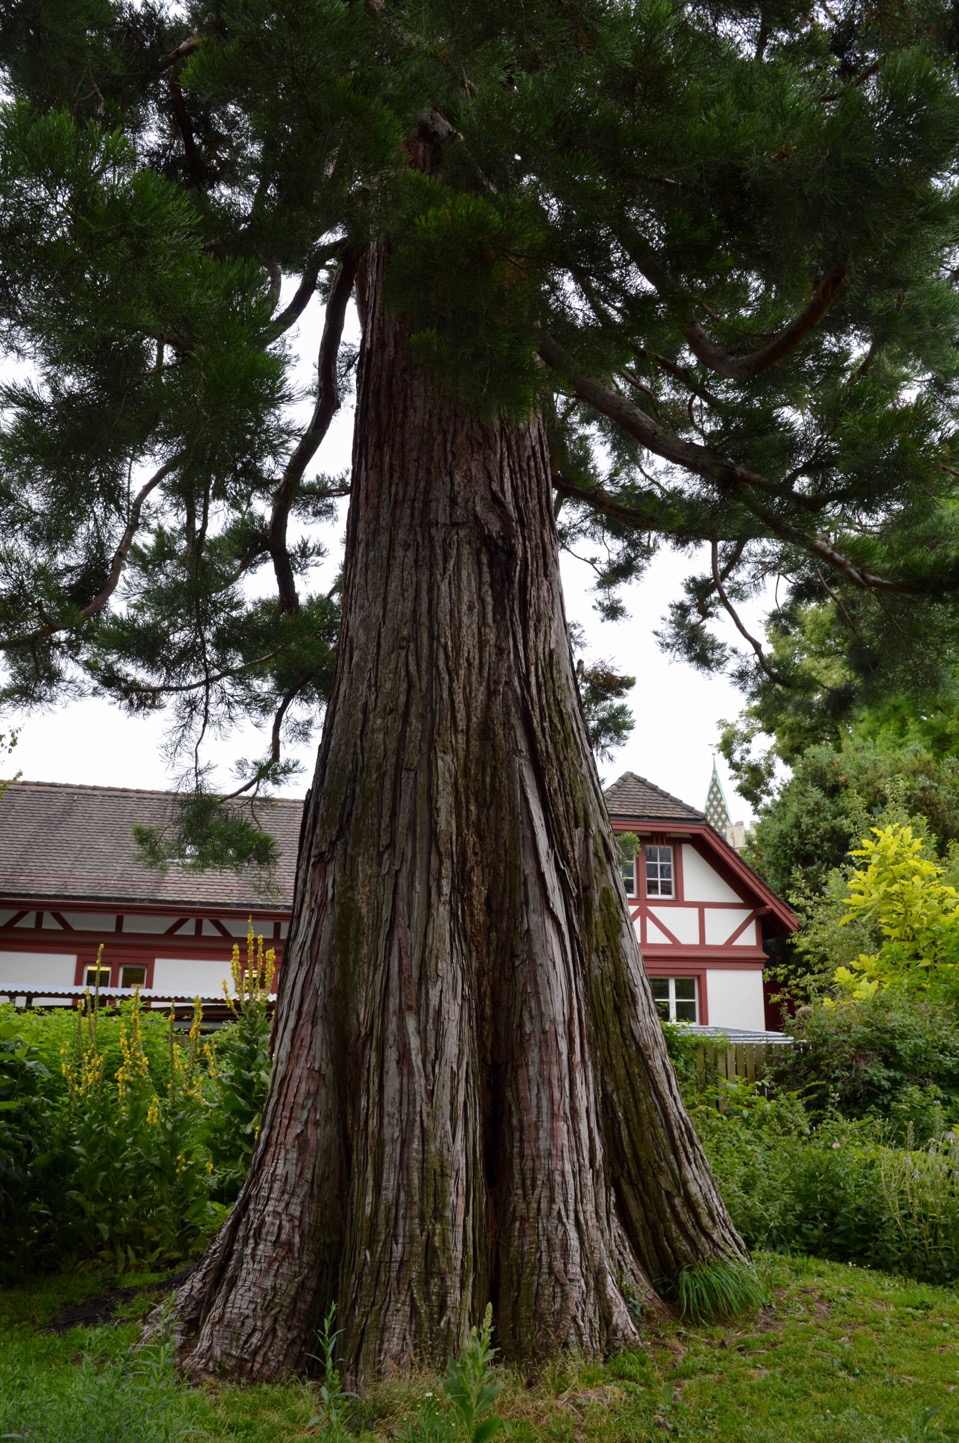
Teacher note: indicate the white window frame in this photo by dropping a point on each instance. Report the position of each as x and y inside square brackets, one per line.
[126, 967]
[671, 999]
[657, 862]
[627, 866]
[89, 975]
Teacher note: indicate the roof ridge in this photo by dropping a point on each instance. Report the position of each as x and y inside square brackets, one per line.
[76, 787]
[660, 791]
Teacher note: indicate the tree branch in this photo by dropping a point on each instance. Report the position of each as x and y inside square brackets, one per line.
[301, 296]
[327, 405]
[734, 480]
[134, 688]
[653, 519]
[51, 627]
[737, 368]
[737, 621]
[282, 710]
[744, 368]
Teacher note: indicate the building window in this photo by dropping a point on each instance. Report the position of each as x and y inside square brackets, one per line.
[133, 976]
[96, 976]
[627, 865]
[659, 872]
[675, 998]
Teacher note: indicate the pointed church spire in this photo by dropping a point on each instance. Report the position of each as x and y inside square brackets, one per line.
[717, 812]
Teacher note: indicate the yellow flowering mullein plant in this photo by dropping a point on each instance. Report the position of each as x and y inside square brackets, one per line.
[242, 1066]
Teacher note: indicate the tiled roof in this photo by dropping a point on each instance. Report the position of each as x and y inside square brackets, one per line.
[75, 843]
[633, 796]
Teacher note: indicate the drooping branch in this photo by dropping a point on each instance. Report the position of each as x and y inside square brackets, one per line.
[51, 627]
[738, 622]
[745, 368]
[731, 478]
[129, 688]
[275, 731]
[300, 299]
[716, 357]
[652, 517]
[326, 407]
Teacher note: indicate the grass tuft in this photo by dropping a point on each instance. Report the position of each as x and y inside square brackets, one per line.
[710, 1291]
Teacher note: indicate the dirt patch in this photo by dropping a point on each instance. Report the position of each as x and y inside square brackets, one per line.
[94, 1312]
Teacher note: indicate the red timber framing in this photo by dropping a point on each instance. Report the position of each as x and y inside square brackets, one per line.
[71, 879]
[755, 912]
[192, 934]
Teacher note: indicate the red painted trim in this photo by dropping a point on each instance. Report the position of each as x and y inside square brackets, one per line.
[149, 909]
[174, 927]
[702, 991]
[17, 917]
[730, 941]
[675, 942]
[678, 871]
[59, 918]
[722, 955]
[152, 944]
[720, 855]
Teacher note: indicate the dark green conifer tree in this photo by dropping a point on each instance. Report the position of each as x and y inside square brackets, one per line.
[686, 269]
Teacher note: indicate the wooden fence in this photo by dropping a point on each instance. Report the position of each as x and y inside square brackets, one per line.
[737, 1061]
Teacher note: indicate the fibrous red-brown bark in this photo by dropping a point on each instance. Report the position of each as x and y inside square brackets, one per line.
[471, 1098]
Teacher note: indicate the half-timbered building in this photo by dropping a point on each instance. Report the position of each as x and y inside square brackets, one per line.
[70, 880]
[702, 915]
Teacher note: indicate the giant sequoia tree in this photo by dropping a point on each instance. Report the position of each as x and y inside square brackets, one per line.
[666, 272]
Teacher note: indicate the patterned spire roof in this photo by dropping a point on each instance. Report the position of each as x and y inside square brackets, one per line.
[717, 812]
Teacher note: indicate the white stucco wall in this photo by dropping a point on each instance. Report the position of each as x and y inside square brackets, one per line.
[721, 923]
[33, 970]
[701, 883]
[683, 922]
[735, 998]
[190, 978]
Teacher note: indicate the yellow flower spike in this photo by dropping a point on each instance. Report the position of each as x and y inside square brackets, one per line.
[153, 1112]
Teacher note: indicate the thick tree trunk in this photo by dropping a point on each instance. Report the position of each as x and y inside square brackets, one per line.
[471, 1097]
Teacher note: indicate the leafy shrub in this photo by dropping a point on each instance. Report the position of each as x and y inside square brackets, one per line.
[24, 1144]
[898, 889]
[139, 1180]
[836, 1190]
[693, 1055]
[894, 1056]
[121, 1138]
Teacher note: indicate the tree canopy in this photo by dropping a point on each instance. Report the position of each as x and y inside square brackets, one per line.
[715, 244]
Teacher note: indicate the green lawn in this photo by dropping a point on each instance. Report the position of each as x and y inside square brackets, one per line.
[843, 1356]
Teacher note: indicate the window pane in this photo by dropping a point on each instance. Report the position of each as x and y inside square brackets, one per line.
[660, 986]
[96, 976]
[659, 871]
[628, 868]
[133, 976]
[685, 1011]
[686, 988]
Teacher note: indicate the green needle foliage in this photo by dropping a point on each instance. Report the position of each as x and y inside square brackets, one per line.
[714, 243]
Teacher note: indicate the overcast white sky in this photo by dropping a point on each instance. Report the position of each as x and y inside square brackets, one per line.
[676, 709]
